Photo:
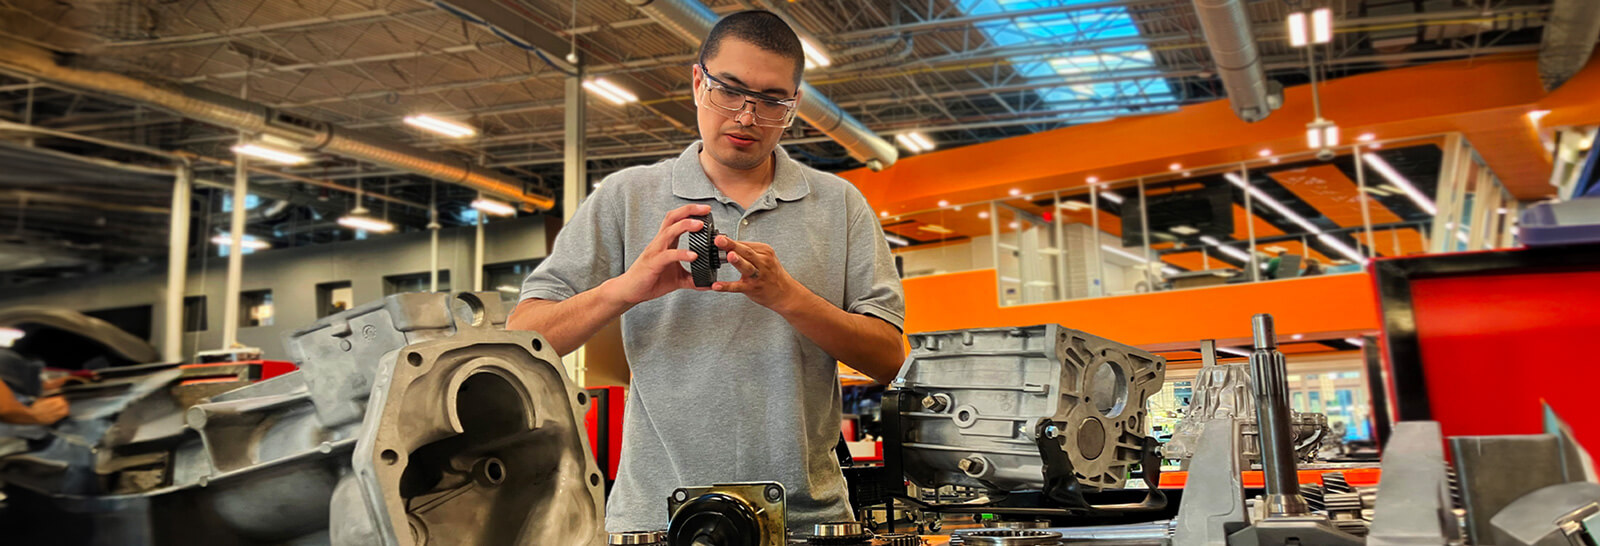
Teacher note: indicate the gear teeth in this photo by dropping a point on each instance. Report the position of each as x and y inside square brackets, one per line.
[900, 539]
[1314, 497]
[1334, 482]
[703, 243]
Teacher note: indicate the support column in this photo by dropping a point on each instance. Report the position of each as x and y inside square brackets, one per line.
[477, 255]
[575, 186]
[1366, 200]
[177, 264]
[1451, 174]
[230, 308]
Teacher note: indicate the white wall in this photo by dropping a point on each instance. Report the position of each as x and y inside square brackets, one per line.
[292, 274]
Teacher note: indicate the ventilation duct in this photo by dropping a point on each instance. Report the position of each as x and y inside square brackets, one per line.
[692, 21]
[1569, 38]
[249, 117]
[1233, 48]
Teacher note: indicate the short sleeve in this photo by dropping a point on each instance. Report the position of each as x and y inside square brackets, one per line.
[872, 285]
[587, 251]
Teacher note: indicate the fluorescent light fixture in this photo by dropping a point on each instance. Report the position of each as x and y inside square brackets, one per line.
[1175, 167]
[9, 336]
[883, 214]
[1265, 152]
[896, 240]
[1092, 180]
[935, 228]
[943, 203]
[1321, 26]
[1297, 337]
[1184, 230]
[815, 56]
[1536, 115]
[610, 91]
[1111, 196]
[1394, 177]
[1275, 249]
[1233, 351]
[983, 214]
[1225, 249]
[358, 219]
[1366, 137]
[269, 153]
[508, 289]
[1271, 203]
[225, 239]
[915, 142]
[491, 206]
[449, 128]
[1015, 192]
[1344, 249]
[1073, 205]
[1354, 341]
[1297, 29]
[1321, 134]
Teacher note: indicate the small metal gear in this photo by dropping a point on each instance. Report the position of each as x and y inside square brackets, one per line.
[703, 243]
[899, 539]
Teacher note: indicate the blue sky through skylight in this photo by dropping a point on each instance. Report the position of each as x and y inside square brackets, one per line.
[1079, 66]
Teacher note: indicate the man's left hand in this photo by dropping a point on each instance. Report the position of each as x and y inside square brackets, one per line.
[761, 277]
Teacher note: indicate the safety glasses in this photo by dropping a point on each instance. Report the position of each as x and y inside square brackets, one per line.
[768, 111]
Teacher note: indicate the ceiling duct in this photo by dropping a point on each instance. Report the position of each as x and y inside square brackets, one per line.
[1569, 38]
[1238, 62]
[692, 21]
[258, 119]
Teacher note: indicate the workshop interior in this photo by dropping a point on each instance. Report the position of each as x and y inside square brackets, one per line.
[1174, 272]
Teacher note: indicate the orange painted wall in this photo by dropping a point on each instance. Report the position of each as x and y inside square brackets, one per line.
[1315, 304]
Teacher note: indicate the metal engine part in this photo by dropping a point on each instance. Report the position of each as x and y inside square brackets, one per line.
[638, 538]
[412, 420]
[840, 533]
[1565, 514]
[733, 514]
[986, 391]
[1224, 391]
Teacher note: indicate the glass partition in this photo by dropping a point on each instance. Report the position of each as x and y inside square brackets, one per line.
[951, 239]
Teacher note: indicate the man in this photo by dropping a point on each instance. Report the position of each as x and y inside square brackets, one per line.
[736, 382]
[24, 373]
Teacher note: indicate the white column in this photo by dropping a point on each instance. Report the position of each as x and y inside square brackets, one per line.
[230, 308]
[177, 264]
[575, 188]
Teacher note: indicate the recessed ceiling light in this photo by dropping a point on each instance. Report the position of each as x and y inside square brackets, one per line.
[983, 214]
[1264, 152]
[1366, 137]
[1093, 180]
[943, 203]
[1175, 167]
[883, 214]
[1015, 192]
[1184, 230]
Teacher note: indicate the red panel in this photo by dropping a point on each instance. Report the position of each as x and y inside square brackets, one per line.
[1494, 346]
[615, 402]
[274, 368]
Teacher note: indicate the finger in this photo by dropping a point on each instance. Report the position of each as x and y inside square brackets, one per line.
[672, 257]
[684, 212]
[738, 287]
[746, 269]
[668, 237]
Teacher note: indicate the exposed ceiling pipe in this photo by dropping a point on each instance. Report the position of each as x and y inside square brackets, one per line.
[1233, 49]
[253, 118]
[1569, 37]
[692, 21]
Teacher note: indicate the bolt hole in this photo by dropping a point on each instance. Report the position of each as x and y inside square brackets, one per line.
[594, 479]
[583, 398]
[496, 471]
[414, 359]
[964, 415]
[537, 345]
[389, 456]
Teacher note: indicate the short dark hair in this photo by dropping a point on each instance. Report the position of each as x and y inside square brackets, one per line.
[761, 28]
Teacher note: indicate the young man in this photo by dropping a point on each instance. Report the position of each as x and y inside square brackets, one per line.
[736, 382]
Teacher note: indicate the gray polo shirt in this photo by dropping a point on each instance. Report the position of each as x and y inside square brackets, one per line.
[725, 390]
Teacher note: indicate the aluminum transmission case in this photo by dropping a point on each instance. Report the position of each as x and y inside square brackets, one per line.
[986, 391]
[411, 420]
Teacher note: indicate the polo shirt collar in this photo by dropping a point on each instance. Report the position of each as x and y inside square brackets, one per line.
[689, 181]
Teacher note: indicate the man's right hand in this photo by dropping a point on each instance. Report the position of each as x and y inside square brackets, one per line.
[657, 271]
[47, 411]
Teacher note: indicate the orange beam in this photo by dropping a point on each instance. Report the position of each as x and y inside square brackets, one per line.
[1315, 304]
[1484, 98]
